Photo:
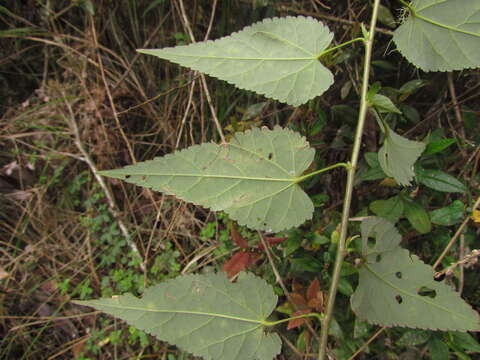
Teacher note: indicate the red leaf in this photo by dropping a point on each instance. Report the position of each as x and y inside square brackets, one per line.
[239, 261]
[316, 304]
[272, 241]
[292, 324]
[313, 290]
[237, 238]
[298, 300]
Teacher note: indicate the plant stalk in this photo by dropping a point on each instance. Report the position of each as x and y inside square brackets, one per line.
[338, 47]
[349, 187]
[407, 5]
[328, 168]
[273, 323]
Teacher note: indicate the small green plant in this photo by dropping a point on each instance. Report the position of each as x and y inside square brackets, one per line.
[255, 179]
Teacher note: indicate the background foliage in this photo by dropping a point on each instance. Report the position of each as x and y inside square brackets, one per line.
[70, 85]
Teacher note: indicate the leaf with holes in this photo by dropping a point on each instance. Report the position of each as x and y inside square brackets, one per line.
[398, 289]
[205, 315]
[277, 57]
[253, 178]
[398, 155]
[441, 35]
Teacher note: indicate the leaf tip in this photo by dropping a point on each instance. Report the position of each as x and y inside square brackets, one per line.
[148, 51]
[114, 173]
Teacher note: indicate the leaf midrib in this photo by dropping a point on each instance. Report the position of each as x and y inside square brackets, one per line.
[250, 178]
[186, 312]
[417, 297]
[314, 57]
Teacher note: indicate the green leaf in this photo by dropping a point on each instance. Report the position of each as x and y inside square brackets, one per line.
[440, 181]
[205, 315]
[383, 104]
[398, 155]
[392, 284]
[417, 216]
[253, 178]
[372, 159]
[410, 113]
[385, 16]
[438, 146]
[448, 215]
[305, 263]
[410, 87]
[360, 329]
[391, 209]
[344, 287]
[373, 171]
[371, 174]
[441, 35]
[413, 338]
[438, 350]
[466, 341]
[275, 57]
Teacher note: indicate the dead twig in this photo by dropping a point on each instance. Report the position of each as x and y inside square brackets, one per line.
[109, 93]
[456, 235]
[111, 203]
[368, 342]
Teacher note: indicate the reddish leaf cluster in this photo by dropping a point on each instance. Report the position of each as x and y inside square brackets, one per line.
[247, 256]
[305, 301]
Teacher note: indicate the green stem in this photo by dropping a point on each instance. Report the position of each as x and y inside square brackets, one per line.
[273, 323]
[408, 6]
[328, 168]
[349, 187]
[339, 46]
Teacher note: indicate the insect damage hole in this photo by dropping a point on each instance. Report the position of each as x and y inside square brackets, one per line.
[426, 291]
[371, 242]
[399, 299]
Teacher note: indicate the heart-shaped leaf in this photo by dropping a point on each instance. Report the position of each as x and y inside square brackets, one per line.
[253, 178]
[203, 314]
[441, 35]
[277, 57]
[398, 289]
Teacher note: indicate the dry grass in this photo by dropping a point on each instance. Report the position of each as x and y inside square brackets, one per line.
[71, 118]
